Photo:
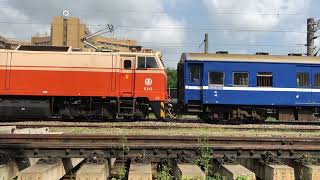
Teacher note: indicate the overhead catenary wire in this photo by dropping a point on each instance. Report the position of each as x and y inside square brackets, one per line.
[161, 12]
[222, 44]
[158, 28]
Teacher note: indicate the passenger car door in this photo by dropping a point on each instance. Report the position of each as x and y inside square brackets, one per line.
[315, 96]
[303, 91]
[195, 81]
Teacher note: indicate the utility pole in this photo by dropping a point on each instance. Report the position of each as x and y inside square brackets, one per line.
[206, 43]
[313, 27]
[310, 36]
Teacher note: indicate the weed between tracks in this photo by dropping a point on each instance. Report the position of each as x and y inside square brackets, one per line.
[203, 160]
[164, 171]
[121, 173]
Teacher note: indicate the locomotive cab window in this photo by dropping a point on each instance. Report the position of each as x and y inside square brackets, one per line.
[241, 79]
[127, 64]
[147, 62]
[151, 62]
[216, 78]
[303, 79]
[264, 79]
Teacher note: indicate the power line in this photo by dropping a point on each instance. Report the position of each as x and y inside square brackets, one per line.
[158, 28]
[218, 12]
[223, 44]
[210, 29]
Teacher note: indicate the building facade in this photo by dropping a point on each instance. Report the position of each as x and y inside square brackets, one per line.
[116, 44]
[69, 32]
[41, 41]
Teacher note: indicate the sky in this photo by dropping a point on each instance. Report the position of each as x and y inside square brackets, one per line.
[175, 26]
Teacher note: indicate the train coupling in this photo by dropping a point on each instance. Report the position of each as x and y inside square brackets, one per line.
[170, 111]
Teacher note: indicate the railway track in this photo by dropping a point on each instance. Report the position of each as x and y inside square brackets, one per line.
[180, 120]
[84, 146]
[272, 126]
[95, 151]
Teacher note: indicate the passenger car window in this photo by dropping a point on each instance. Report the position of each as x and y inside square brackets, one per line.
[216, 78]
[127, 64]
[141, 62]
[194, 73]
[151, 62]
[241, 79]
[317, 80]
[264, 79]
[303, 79]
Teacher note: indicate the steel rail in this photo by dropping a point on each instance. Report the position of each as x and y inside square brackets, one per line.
[67, 145]
[182, 121]
[262, 127]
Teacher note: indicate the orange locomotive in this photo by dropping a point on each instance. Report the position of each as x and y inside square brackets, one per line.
[38, 82]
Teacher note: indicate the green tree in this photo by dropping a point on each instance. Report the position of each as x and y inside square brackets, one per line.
[172, 78]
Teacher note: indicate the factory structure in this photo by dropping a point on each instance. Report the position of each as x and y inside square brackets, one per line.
[6, 43]
[68, 31]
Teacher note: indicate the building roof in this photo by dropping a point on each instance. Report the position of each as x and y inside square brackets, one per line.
[250, 58]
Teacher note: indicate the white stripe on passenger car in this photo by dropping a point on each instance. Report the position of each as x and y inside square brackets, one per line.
[273, 89]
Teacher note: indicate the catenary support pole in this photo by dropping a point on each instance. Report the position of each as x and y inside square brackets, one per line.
[310, 37]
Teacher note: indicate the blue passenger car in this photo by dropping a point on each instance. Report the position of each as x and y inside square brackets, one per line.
[225, 86]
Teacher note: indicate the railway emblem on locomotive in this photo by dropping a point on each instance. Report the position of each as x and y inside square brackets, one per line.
[148, 81]
[148, 84]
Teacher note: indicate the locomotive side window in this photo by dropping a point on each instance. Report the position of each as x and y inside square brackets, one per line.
[241, 79]
[216, 78]
[194, 73]
[147, 62]
[264, 79]
[303, 79]
[127, 64]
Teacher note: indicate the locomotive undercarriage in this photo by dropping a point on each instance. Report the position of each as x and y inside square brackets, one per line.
[256, 114]
[72, 108]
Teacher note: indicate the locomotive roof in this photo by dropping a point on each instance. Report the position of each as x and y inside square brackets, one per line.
[81, 52]
[250, 58]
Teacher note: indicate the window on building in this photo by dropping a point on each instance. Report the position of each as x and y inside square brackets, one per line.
[195, 73]
[317, 80]
[241, 79]
[303, 79]
[127, 64]
[264, 79]
[147, 62]
[216, 78]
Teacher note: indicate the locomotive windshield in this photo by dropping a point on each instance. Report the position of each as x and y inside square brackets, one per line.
[147, 62]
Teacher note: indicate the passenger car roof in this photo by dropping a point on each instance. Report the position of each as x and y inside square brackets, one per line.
[249, 58]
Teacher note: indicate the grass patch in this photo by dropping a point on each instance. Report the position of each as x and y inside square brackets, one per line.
[121, 173]
[203, 159]
[242, 178]
[164, 171]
